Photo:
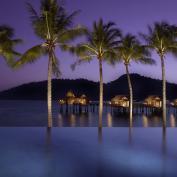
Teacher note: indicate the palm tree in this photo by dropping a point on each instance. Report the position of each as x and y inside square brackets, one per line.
[7, 44]
[100, 43]
[54, 26]
[130, 49]
[161, 38]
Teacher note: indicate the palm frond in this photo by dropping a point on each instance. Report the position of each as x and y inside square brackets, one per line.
[131, 49]
[68, 48]
[55, 66]
[161, 37]
[6, 31]
[31, 55]
[85, 59]
[71, 34]
[146, 61]
[33, 13]
[7, 44]
[10, 56]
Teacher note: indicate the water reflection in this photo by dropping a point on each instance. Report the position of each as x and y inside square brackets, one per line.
[145, 121]
[130, 135]
[164, 151]
[100, 135]
[157, 120]
[84, 120]
[72, 120]
[164, 147]
[109, 120]
[90, 121]
[152, 121]
[148, 153]
[172, 120]
[60, 120]
[50, 117]
[49, 163]
[48, 136]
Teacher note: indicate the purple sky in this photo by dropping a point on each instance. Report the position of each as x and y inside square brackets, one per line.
[129, 15]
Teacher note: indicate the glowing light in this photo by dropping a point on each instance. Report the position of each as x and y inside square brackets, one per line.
[60, 120]
[73, 120]
[145, 121]
[172, 121]
[109, 120]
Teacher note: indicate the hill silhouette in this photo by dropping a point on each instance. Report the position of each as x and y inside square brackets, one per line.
[142, 86]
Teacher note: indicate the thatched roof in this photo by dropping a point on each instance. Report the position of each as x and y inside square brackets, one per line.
[120, 97]
[83, 96]
[153, 97]
[70, 94]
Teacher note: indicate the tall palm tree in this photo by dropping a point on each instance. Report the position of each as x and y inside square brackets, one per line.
[162, 39]
[100, 43]
[7, 44]
[54, 26]
[130, 49]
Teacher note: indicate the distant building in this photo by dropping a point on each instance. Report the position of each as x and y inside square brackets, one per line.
[81, 100]
[153, 101]
[120, 100]
[72, 99]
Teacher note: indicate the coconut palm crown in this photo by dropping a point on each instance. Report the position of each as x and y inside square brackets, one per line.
[130, 49]
[100, 43]
[162, 38]
[7, 44]
[55, 27]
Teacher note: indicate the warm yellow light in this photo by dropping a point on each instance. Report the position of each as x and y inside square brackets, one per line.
[145, 121]
[73, 120]
[172, 121]
[109, 120]
[61, 102]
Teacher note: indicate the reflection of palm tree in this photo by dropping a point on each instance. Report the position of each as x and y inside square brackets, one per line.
[100, 43]
[48, 136]
[53, 25]
[130, 135]
[7, 44]
[100, 135]
[130, 50]
[162, 39]
[164, 149]
[49, 151]
[164, 140]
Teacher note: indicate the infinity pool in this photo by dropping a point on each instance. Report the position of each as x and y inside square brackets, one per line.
[88, 152]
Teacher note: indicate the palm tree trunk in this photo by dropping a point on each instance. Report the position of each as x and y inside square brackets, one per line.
[49, 92]
[163, 90]
[130, 95]
[101, 93]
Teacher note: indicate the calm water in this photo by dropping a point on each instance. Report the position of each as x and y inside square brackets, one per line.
[34, 113]
[87, 152]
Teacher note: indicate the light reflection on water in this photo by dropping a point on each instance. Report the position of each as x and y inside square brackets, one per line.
[34, 113]
[109, 120]
[88, 152]
[145, 121]
[172, 120]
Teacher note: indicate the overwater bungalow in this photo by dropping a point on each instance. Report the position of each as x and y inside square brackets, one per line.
[153, 101]
[120, 100]
[83, 100]
[72, 99]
